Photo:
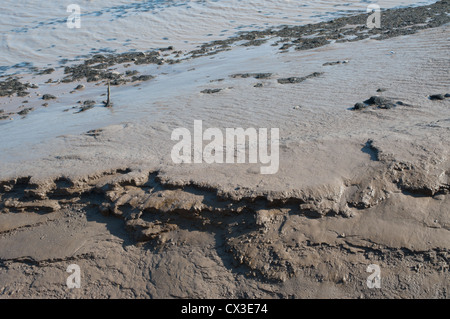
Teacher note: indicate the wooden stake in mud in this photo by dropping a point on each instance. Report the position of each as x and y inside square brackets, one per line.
[108, 99]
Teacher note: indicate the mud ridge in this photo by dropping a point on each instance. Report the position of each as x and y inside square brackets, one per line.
[250, 224]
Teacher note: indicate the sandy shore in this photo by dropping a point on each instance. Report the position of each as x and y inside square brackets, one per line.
[358, 184]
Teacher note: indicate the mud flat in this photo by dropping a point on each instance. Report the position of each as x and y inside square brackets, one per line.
[364, 174]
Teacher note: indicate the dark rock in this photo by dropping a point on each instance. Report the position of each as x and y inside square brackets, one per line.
[141, 78]
[23, 93]
[131, 73]
[447, 95]
[48, 97]
[310, 43]
[211, 91]
[403, 103]
[80, 87]
[118, 82]
[335, 63]
[359, 106]
[377, 100]
[292, 80]
[170, 48]
[437, 97]
[252, 75]
[331, 63]
[26, 111]
[87, 105]
[13, 86]
[47, 71]
[254, 43]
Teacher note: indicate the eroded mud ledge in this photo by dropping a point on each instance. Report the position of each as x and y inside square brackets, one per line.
[368, 186]
[325, 234]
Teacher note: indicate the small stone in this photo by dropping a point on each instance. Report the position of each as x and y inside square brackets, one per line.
[141, 78]
[26, 111]
[48, 97]
[80, 87]
[437, 97]
[359, 106]
[447, 95]
[211, 91]
[47, 71]
[377, 100]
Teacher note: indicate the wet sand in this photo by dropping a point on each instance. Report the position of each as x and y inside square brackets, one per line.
[363, 177]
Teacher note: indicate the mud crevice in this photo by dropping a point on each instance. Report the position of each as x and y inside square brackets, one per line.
[153, 208]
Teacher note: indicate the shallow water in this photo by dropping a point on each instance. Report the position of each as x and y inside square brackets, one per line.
[39, 35]
[35, 33]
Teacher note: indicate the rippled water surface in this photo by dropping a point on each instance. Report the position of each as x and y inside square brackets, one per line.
[35, 33]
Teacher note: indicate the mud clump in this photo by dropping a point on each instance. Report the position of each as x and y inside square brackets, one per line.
[293, 80]
[47, 71]
[26, 111]
[259, 76]
[47, 97]
[142, 78]
[378, 102]
[335, 63]
[307, 44]
[439, 97]
[13, 86]
[96, 68]
[211, 91]
[87, 105]
[131, 73]
[360, 106]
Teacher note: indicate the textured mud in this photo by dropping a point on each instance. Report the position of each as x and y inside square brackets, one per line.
[273, 243]
[357, 186]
